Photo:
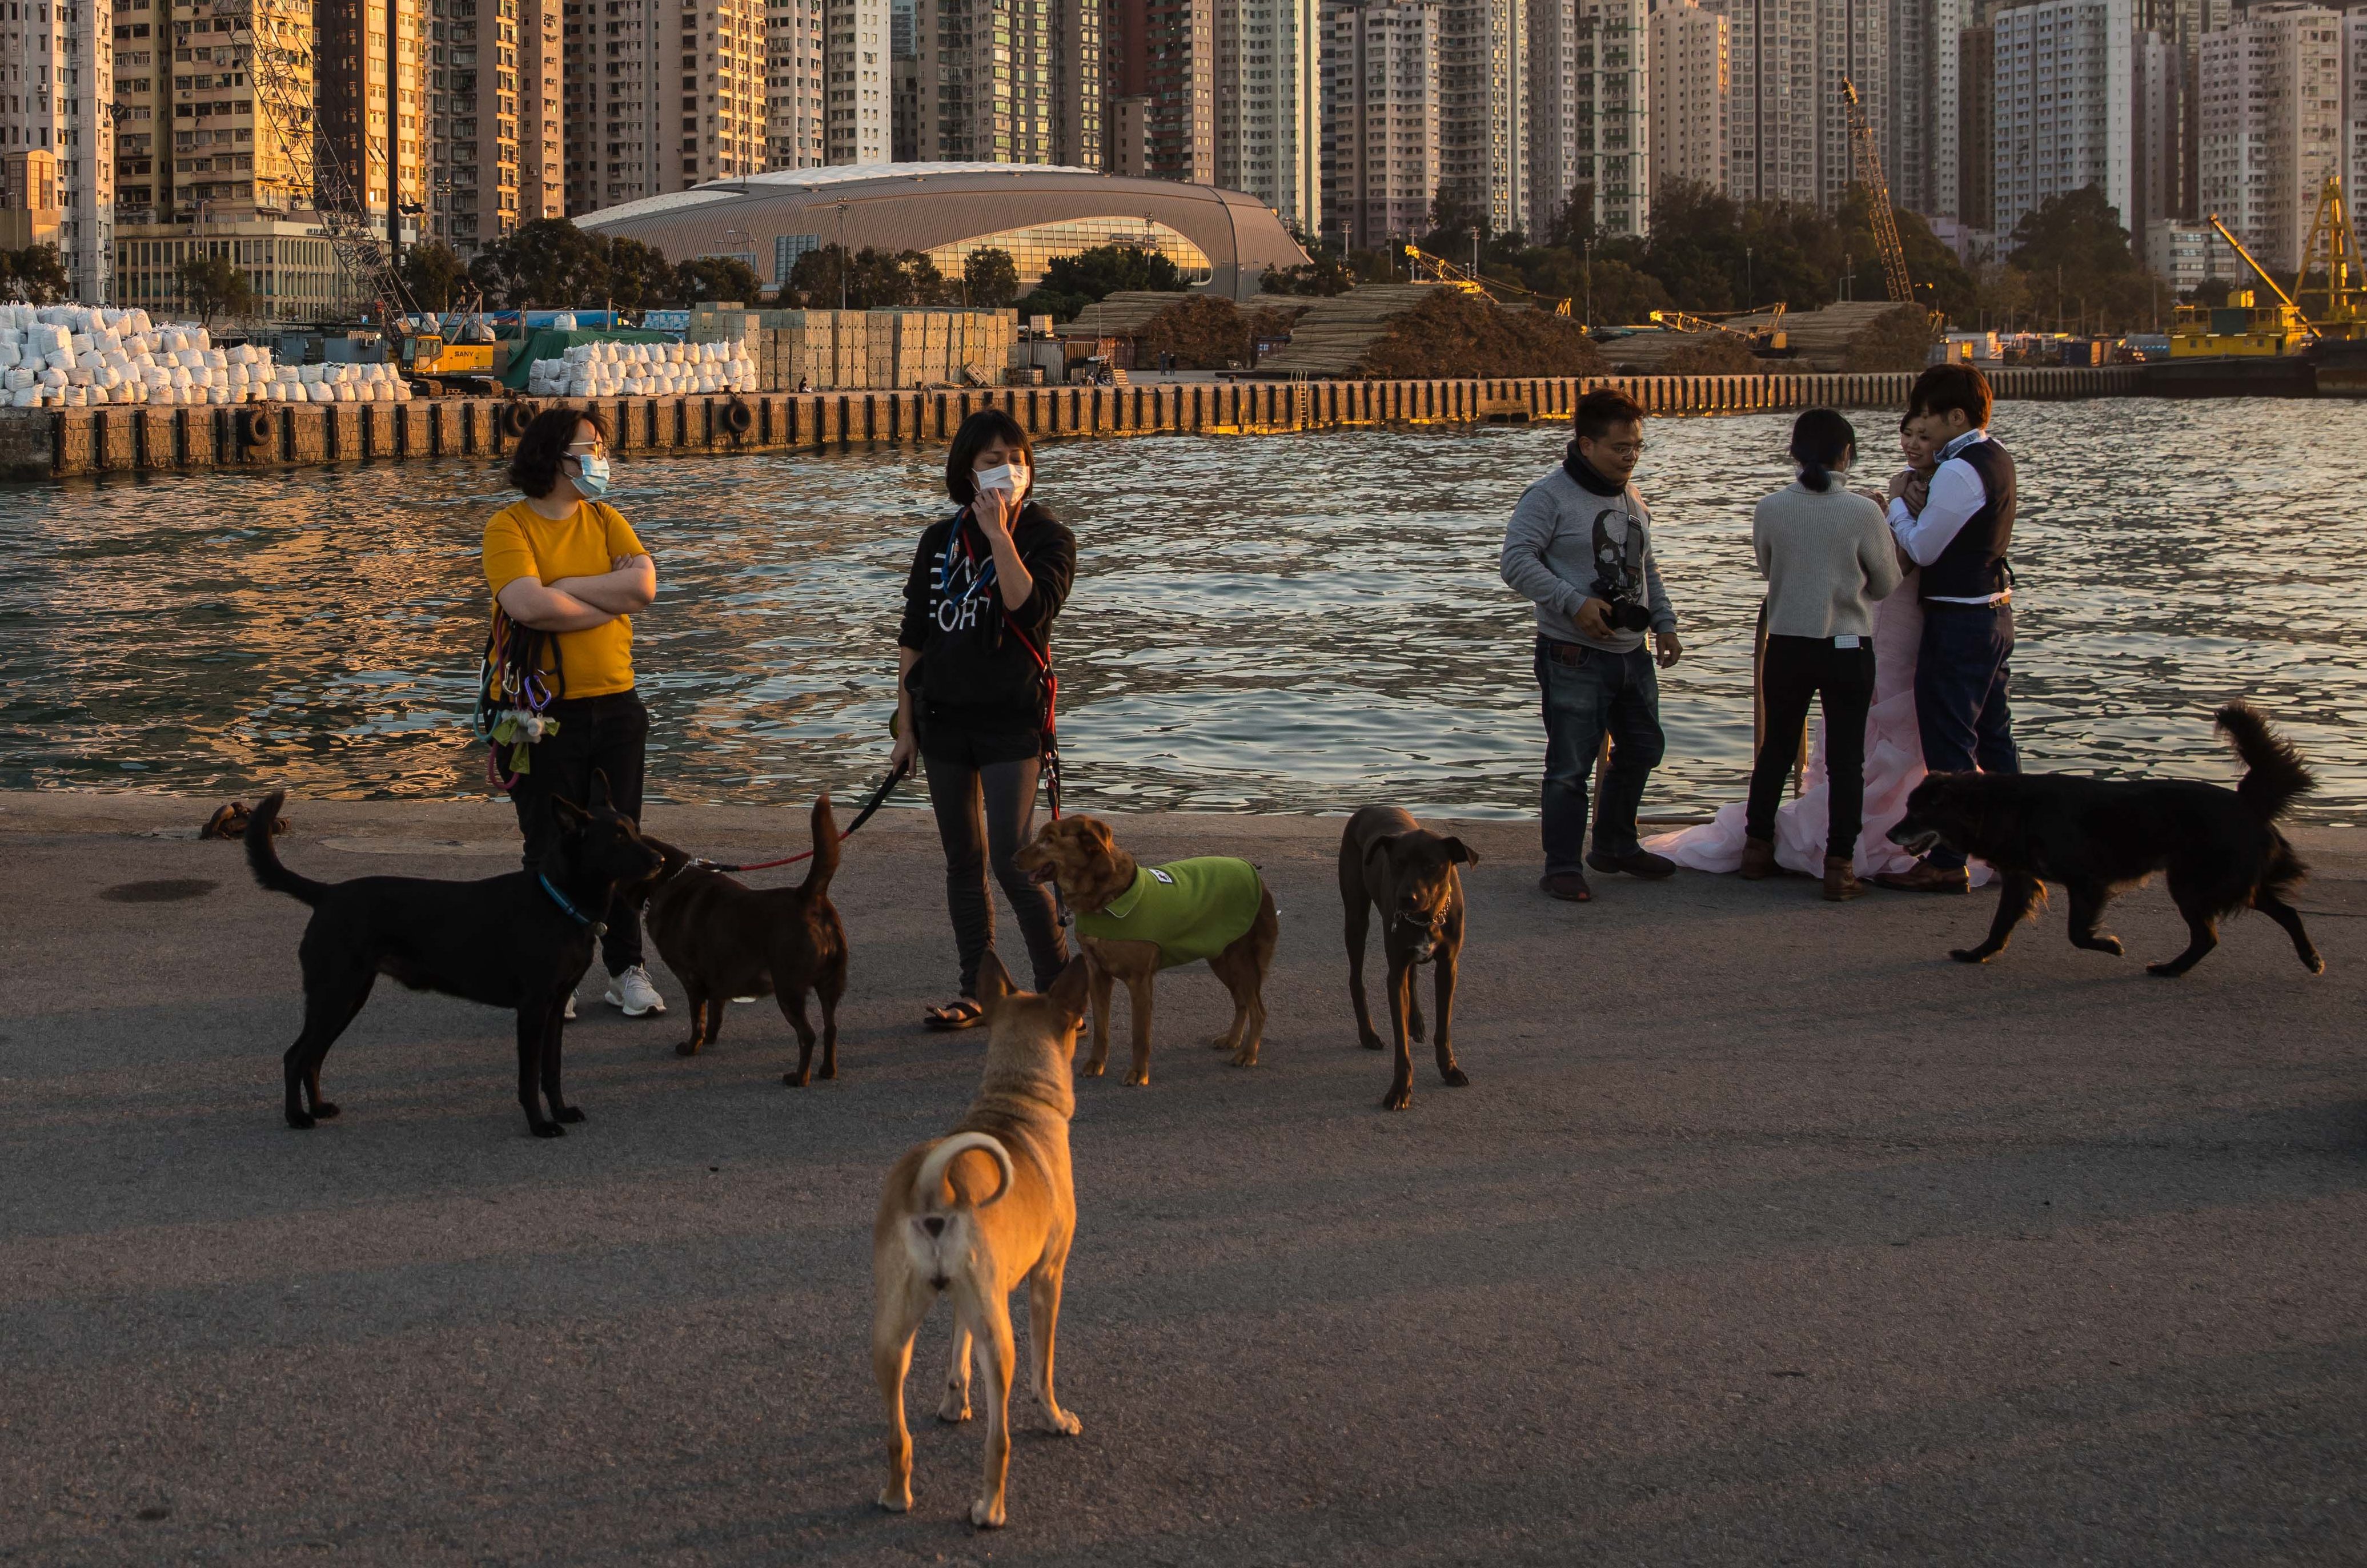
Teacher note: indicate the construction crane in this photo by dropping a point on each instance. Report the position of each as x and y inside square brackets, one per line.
[1438, 269]
[1868, 160]
[272, 40]
[2345, 315]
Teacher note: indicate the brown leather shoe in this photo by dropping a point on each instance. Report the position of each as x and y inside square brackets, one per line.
[1758, 859]
[1925, 877]
[1568, 886]
[1640, 863]
[1840, 879]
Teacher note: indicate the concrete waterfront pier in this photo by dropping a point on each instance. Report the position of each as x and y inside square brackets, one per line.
[1763, 1233]
[75, 442]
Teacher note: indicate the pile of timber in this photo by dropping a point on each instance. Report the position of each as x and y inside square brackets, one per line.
[1643, 352]
[1123, 314]
[1818, 340]
[1332, 337]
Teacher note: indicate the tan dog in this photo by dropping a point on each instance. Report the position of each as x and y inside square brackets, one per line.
[1095, 877]
[972, 1215]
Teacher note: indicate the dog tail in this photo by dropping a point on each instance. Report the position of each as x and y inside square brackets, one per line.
[263, 856]
[2274, 773]
[932, 1174]
[825, 850]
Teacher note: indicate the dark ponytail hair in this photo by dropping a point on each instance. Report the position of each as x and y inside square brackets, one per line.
[1821, 438]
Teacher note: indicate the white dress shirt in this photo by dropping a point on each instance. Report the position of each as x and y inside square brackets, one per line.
[1957, 493]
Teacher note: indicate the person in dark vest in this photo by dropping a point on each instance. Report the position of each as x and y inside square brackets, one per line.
[1960, 540]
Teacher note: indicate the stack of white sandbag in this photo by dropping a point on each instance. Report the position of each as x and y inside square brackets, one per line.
[76, 356]
[644, 369]
[338, 383]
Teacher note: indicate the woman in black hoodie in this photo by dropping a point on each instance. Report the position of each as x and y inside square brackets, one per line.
[973, 659]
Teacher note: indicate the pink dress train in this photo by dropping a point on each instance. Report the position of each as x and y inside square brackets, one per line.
[1894, 766]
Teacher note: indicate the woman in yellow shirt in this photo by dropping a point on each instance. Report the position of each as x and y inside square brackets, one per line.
[568, 573]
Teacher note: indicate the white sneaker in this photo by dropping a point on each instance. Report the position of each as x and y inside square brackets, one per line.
[570, 1013]
[632, 991]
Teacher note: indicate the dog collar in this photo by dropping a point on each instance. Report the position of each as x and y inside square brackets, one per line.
[598, 928]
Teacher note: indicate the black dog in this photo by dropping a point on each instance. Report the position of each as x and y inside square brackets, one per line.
[725, 940]
[2220, 847]
[1390, 863]
[520, 941]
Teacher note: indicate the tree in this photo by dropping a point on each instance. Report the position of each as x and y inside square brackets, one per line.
[1327, 274]
[640, 278]
[705, 280]
[434, 276]
[547, 261]
[814, 281]
[214, 285]
[2078, 232]
[1105, 270]
[35, 275]
[991, 276]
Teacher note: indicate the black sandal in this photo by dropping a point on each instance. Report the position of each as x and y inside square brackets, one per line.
[962, 1013]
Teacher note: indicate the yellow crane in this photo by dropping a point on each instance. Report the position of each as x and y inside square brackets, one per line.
[2242, 326]
[1868, 159]
[1438, 269]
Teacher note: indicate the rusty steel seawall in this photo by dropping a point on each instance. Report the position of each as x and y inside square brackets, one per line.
[72, 443]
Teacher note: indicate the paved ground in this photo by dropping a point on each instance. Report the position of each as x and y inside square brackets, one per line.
[1764, 1234]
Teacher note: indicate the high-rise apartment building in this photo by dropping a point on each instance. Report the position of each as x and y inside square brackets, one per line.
[1922, 159]
[2272, 124]
[793, 87]
[661, 99]
[1161, 119]
[1380, 120]
[1589, 113]
[2065, 101]
[370, 106]
[858, 125]
[990, 82]
[1977, 127]
[2354, 118]
[58, 98]
[1483, 91]
[1268, 89]
[1788, 137]
[495, 127]
[1687, 73]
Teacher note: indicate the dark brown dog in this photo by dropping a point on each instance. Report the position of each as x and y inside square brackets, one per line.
[1080, 855]
[725, 941]
[1390, 863]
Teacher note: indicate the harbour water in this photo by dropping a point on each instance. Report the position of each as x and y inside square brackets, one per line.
[1279, 624]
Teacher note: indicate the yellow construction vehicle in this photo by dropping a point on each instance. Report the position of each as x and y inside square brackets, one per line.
[1429, 268]
[1768, 336]
[436, 366]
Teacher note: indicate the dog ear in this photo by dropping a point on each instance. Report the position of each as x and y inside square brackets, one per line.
[994, 983]
[601, 799]
[1383, 845]
[1067, 992]
[1460, 853]
[572, 819]
[1097, 831]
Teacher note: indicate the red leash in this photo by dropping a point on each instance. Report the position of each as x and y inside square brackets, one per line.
[878, 799]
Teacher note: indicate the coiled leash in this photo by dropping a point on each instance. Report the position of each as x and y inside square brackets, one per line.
[509, 674]
[878, 799]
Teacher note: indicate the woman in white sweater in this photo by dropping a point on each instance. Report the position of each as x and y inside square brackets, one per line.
[1828, 557]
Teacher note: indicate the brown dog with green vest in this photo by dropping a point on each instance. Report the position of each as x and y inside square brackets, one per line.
[1135, 921]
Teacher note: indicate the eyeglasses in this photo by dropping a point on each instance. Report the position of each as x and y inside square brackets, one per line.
[598, 449]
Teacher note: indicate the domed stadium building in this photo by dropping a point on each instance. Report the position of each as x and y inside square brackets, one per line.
[1222, 240]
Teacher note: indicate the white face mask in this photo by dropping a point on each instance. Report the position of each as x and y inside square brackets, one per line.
[1009, 477]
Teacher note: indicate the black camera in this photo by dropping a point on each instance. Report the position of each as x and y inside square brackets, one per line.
[1626, 615]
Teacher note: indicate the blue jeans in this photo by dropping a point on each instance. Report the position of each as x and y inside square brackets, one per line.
[1587, 695]
[1963, 668]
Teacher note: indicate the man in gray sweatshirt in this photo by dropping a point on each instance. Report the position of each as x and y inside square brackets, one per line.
[1579, 548]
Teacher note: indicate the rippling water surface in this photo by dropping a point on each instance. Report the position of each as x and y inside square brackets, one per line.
[1274, 623]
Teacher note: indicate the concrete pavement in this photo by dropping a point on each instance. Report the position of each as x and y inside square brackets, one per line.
[1764, 1234]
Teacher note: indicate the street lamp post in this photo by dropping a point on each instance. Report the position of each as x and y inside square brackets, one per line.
[1749, 289]
[841, 255]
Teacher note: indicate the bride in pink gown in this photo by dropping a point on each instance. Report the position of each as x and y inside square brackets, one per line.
[1893, 757]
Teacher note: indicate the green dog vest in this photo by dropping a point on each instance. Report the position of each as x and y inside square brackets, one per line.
[1191, 908]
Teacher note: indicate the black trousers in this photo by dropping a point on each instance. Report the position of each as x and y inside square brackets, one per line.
[986, 810]
[609, 735]
[1797, 668]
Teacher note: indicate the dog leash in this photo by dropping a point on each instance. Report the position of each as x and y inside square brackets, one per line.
[878, 799]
